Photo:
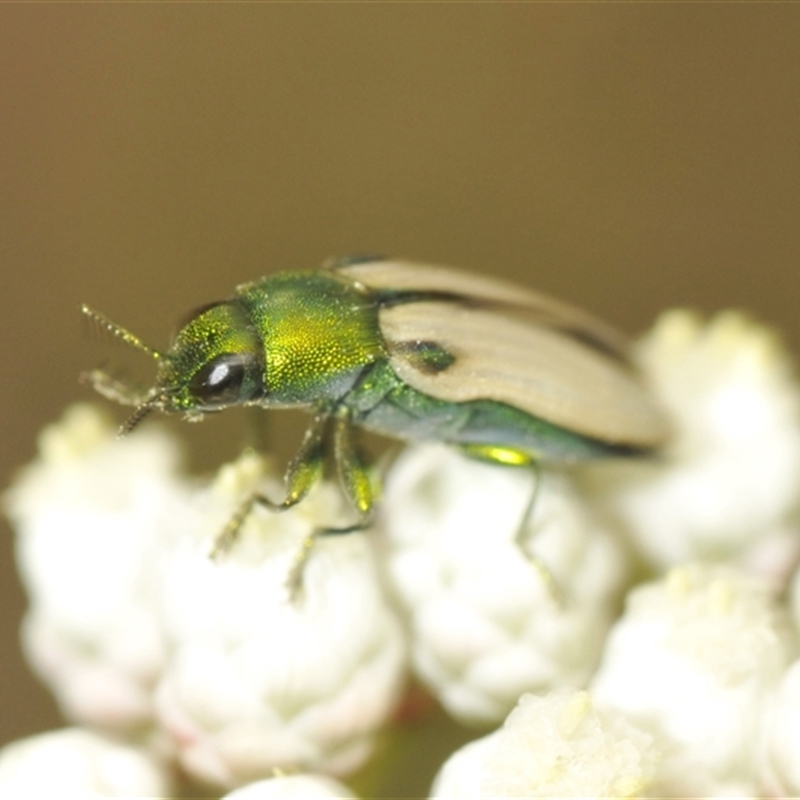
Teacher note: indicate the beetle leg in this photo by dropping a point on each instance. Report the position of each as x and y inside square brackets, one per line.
[357, 485]
[304, 471]
[524, 535]
[295, 580]
[351, 466]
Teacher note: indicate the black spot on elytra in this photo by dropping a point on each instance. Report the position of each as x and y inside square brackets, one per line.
[428, 357]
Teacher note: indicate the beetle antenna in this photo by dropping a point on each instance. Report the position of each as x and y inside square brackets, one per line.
[105, 325]
[140, 412]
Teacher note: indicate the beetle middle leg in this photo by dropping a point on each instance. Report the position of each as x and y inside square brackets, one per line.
[303, 472]
[357, 484]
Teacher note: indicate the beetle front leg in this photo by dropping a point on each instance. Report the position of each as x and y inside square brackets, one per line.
[304, 470]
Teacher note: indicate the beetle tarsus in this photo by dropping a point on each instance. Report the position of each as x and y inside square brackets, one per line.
[294, 581]
[230, 533]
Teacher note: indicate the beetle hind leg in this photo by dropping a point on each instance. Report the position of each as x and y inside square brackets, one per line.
[526, 532]
[511, 456]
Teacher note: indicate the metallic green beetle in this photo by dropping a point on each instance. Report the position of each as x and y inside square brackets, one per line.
[407, 350]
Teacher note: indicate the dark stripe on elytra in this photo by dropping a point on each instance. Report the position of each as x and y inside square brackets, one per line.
[390, 299]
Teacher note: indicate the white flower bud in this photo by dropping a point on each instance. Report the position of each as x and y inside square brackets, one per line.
[293, 787]
[558, 745]
[76, 764]
[729, 480]
[694, 661]
[487, 623]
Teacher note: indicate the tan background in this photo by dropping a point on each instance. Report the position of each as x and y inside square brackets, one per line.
[625, 157]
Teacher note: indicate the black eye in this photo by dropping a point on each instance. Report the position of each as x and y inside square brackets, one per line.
[220, 381]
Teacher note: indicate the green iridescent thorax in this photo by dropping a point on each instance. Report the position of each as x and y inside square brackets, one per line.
[223, 328]
[318, 333]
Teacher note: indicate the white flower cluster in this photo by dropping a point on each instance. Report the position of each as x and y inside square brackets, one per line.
[140, 633]
[692, 690]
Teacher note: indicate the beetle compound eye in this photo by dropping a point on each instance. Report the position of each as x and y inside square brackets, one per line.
[220, 381]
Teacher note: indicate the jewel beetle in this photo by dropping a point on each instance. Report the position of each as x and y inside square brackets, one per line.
[411, 351]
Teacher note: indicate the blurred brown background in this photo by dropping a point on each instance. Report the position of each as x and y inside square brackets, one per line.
[624, 157]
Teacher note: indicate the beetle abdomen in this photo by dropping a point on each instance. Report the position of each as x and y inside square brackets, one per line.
[387, 405]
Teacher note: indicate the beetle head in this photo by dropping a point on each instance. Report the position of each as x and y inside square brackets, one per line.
[215, 361]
